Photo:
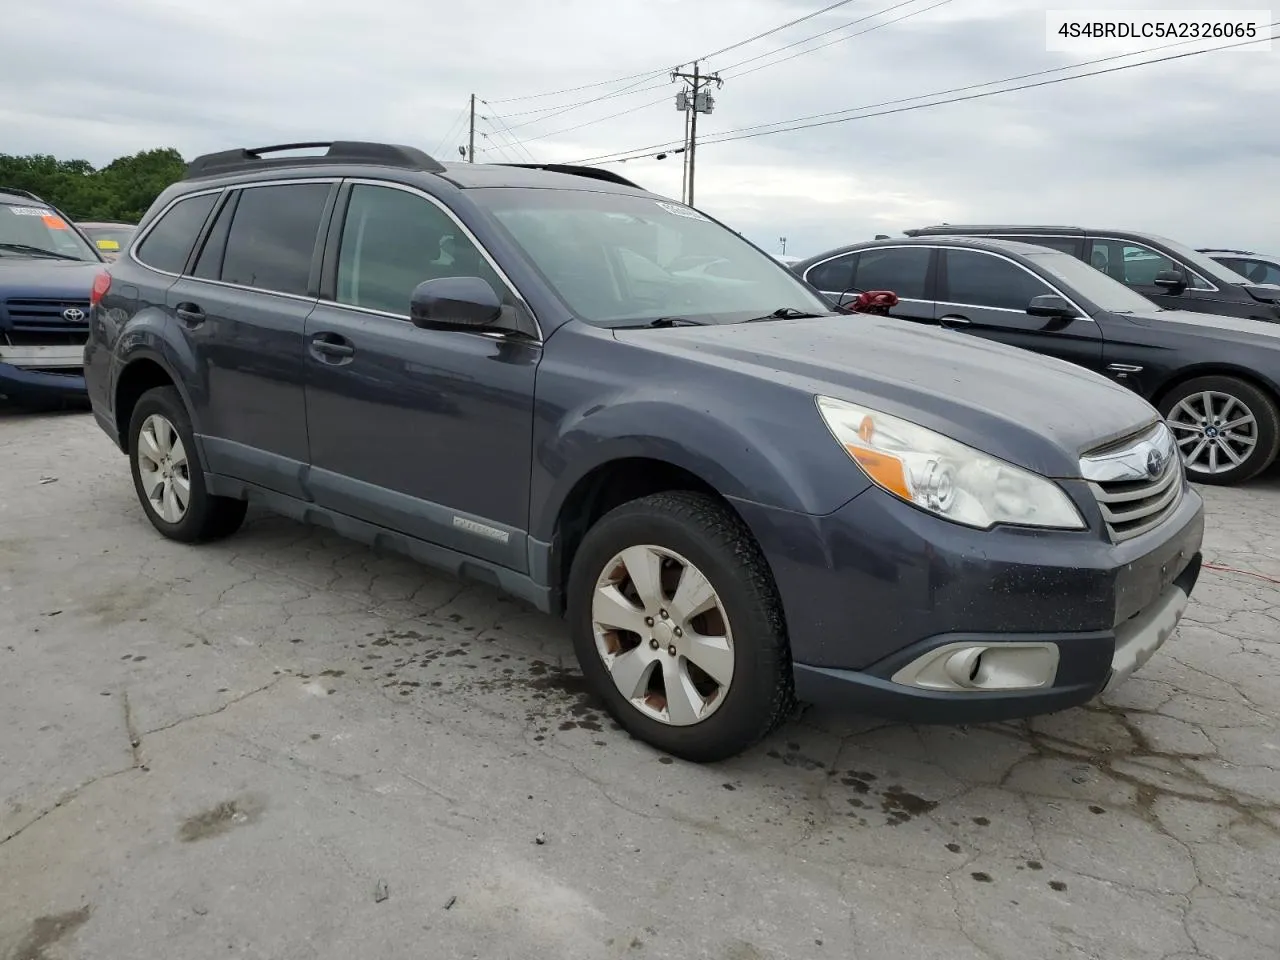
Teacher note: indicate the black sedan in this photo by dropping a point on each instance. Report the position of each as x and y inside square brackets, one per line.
[1215, 379]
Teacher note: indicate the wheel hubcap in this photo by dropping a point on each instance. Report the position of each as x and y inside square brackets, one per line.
[662, 633]
[1216, 431]
[163, 468]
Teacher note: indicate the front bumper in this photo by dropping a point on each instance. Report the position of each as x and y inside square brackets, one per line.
[26, 385]
[878, 596]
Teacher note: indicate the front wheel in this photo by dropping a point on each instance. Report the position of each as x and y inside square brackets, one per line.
[1227, 430]
[677, 626]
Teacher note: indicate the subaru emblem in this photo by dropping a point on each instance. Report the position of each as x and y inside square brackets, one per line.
[1155, 463]
[73, 314]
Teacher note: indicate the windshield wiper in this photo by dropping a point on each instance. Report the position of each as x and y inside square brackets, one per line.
[36, 251]
[662, 322]
[787, 313]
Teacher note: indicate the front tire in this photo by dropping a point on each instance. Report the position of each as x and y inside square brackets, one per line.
[168, 475]
[1227, 430]
[677, 626]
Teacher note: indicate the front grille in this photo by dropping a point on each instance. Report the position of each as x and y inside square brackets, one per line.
[1138, 482]
[44, 338]
[38, 316]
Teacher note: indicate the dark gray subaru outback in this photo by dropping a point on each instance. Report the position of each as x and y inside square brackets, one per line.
[528, 377]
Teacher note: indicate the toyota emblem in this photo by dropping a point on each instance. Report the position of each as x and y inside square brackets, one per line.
[1155, 464]
[73, 314]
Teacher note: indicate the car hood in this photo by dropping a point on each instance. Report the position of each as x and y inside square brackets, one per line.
[1037, 412]
[1263, 292]
[1261, 333]
[24, 278]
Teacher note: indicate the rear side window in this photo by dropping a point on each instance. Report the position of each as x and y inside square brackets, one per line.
[983, 280]
[168, 244]
[903, 270]
[273, 236]
[835, 275]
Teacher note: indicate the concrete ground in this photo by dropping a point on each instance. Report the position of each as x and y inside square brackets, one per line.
[286, 746]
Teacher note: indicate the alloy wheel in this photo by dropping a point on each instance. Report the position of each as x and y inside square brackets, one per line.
[1215, 431]
[662, 633]
[163, 468]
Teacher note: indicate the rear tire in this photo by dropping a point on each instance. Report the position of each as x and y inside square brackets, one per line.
[650, 675]
[169, 476]
[1217, 420]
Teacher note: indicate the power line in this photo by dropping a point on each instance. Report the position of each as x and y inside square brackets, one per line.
[507, 139]
[796, 43]
[637, 153]
[557, 109]
[651, 103]
[870, 29]
[642, 77]
[449, 134]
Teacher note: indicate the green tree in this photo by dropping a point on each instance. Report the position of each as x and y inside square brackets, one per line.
[122, 190]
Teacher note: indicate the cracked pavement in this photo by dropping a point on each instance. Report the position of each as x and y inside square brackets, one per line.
[229, 750]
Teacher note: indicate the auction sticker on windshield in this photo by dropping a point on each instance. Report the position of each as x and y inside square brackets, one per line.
[31, 211]
[680, 211]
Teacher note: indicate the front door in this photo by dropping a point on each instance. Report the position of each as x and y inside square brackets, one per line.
[986, 295]
[1136, 266]
[428, 432]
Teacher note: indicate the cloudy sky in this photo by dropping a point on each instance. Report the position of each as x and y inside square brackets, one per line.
[1188, 148]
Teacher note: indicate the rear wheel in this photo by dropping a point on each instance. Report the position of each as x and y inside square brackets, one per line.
[677, 626]
[1227, 430]
[168, 474]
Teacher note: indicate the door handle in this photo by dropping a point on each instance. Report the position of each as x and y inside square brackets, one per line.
[953, 321]
[190, 314]
[331, 348]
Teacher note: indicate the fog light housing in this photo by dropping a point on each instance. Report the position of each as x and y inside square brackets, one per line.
[969, 666]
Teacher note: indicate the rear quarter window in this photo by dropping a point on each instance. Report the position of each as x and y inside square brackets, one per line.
[168, 244]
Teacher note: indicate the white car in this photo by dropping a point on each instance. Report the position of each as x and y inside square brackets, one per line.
[1258, 267]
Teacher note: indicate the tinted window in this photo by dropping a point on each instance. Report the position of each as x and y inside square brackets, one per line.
[1259, 271]
[209, 262]
[834, 276]
[273, 235]
[900, 269]
[1137, 264]
[392, 241]
[984, 280]
[169, 242]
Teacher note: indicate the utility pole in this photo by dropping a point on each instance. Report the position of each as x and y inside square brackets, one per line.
[783, 241]
[693, 102]
[471, 138]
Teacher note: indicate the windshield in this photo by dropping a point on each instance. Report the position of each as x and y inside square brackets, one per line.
[1092, 284]
[618, 258]
[34, 230]
[1206, 265]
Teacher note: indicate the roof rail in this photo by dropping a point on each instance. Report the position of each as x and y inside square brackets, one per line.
[1247, 253]
[21, 193]
[594, 173]
[960, 228]
[339, 151]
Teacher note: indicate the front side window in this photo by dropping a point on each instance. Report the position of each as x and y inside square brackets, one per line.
[168, 244]
[835, 275]
[624, 259]
[273, 237]
[1259, 271]
[1138, 265]
[903, 270]
[980, 279]
[34, 230]
[392, 241]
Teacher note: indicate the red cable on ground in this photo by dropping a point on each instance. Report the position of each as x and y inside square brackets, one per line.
[1246, 573]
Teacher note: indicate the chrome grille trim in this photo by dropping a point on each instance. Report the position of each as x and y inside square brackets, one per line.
[1138, 483]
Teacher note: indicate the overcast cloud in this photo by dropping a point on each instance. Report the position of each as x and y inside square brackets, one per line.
[1188, 149]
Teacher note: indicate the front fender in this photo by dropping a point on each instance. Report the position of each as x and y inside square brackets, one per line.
[753, 453]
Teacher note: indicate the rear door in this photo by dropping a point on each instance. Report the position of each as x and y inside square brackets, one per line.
[986, 294]
[908, 271]
[240, 315]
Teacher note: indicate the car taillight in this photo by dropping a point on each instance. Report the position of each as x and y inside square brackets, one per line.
[101, 284]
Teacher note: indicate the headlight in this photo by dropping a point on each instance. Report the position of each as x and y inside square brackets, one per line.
[943, 476]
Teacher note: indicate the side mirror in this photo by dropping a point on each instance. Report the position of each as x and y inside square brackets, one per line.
[1170, 280]
[454, 302]
[1050, 305]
